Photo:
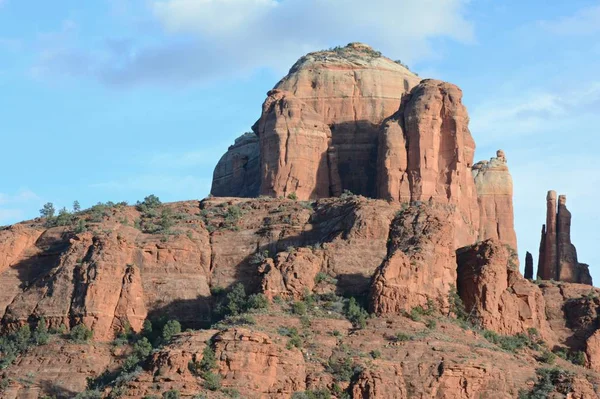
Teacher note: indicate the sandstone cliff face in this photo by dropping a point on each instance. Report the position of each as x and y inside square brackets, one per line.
[334, 99]
[493, 290]
[294, 145]
[426, 153]
[420, 265]
[350, 119]
[558, 256]
[238, 172]
[353, 89]
[494, 196]
[114, 275]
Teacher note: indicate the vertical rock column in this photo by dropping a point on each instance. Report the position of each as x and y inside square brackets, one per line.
[528, 266]
[495, 199]
[426, 152]
[547, 266]
[558, 256]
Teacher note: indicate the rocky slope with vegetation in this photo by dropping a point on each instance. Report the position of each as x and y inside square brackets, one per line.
[379, 263]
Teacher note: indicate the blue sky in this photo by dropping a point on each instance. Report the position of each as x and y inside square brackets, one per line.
[116, 99]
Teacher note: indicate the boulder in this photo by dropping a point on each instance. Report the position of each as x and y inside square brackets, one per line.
[420, 266]
[496, 294]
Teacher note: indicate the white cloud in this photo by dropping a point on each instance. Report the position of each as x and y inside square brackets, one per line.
[20, 197]
[533, 113]
[8, 216]
[203, 39]
[12, 206]
[585, 22]
[174, 186]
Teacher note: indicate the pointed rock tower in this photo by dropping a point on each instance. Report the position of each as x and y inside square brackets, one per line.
[558, 256]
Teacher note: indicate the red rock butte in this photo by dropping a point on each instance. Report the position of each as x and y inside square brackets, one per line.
[272, 276]
[350, 119]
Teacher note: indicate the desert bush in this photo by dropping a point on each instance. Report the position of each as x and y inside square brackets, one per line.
[172, 394]
[548, 381]
[356, 314]
[312, 394]
[299, 308]
[212, 381]
[171, 328]
[402, 337]
[236, 302]
[80, 333]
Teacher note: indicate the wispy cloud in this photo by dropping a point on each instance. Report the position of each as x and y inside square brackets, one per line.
[20, 197]
[174, 185]
[536, 112]
[196, 40]
[585, 22]
[12, 206]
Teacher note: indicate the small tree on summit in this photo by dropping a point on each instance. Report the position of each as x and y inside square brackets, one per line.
[48, 210]
[76, 206]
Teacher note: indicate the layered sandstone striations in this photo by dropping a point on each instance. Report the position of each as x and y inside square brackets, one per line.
[495, 198]
[333, 103]
[351, 119]
[115, 275]
[353, 89]
[294, 144]
[237, 173]
[426, 153]
[558, 256]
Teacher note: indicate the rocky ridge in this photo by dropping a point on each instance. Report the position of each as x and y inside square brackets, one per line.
[410, 290]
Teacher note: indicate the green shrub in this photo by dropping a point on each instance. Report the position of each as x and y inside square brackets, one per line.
[14, 344]
[48, 210]
[548, 381]
[547, 357]
[299, 308]
[431, 324]
[80, 333]
[510, 343]
[259, 257]
[209, 359]
[40, 334]
[212, 381]
[172, 394]
[231, 392]
[402, 337]
[457, 306]
[342, 368]
[295, 340]
[316, 394]
[577, 358]
[375, 354]
[89, 394]
[237, 302]
[356, 314]
[142, 348]
[130, 363]
[232, 217]
[171, 328]
[150, 202]
[293, 196]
